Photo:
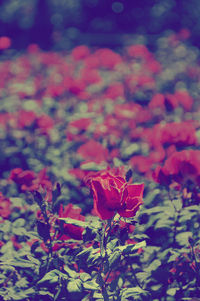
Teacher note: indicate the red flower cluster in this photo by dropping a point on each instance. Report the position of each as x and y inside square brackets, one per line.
[171, 101]
[177, 133]
[113, 194]
[23, 119]
[93, 151]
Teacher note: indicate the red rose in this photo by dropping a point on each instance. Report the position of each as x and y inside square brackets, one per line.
[113, 194]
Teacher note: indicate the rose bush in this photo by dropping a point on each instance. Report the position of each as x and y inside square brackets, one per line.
[113, 194]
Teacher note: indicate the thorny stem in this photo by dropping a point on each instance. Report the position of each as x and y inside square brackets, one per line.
[196, 268]
[49, 245]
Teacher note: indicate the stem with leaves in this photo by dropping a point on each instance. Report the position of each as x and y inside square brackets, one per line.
[176, 217]
[39, 200]
[103, 251]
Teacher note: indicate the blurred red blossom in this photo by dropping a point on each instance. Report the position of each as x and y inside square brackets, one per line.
[45, 123]
[179, 134]
[5, 42]
[170, 101]
[93, 151]
[139, 51]
[5, 206]
[108, 58]
[25, 118]
[180, 167]
[27, 180]
[114, 91]
[81, 124]
[80, 52]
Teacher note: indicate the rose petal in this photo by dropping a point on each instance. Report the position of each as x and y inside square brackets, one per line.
[100, 201]
[131, 212]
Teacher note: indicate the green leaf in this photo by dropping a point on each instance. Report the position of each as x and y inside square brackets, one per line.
[117, 162]
[153, 265]
[178, 204]
[140, 236]
[74, 286]
[70, 272]
[18, 223]
[128, 249]
[164, 222]
[18, 202]
[182, 238]
[93, 257]
[172, 291]
[156, 209]
[114, 258]
[51, 277]
[19, 231]
[33, 259]
[151, 196]
[142, 276]
[92, 166]
[130, 149]
[19, 263]
[91, 285]
[193, 208]
[84, 253]
[133, 291]
[44, 292]
[98, 296]
[84, 277]
[74, 222]
[22, 283]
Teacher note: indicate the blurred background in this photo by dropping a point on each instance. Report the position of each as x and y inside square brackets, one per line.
[64, 24]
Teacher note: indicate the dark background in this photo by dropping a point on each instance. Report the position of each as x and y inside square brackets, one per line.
[63, 24]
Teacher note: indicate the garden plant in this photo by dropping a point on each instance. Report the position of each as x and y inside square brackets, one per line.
[100, 172]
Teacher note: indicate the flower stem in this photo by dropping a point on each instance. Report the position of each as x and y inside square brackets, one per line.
[196, 268]
[103, 250]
